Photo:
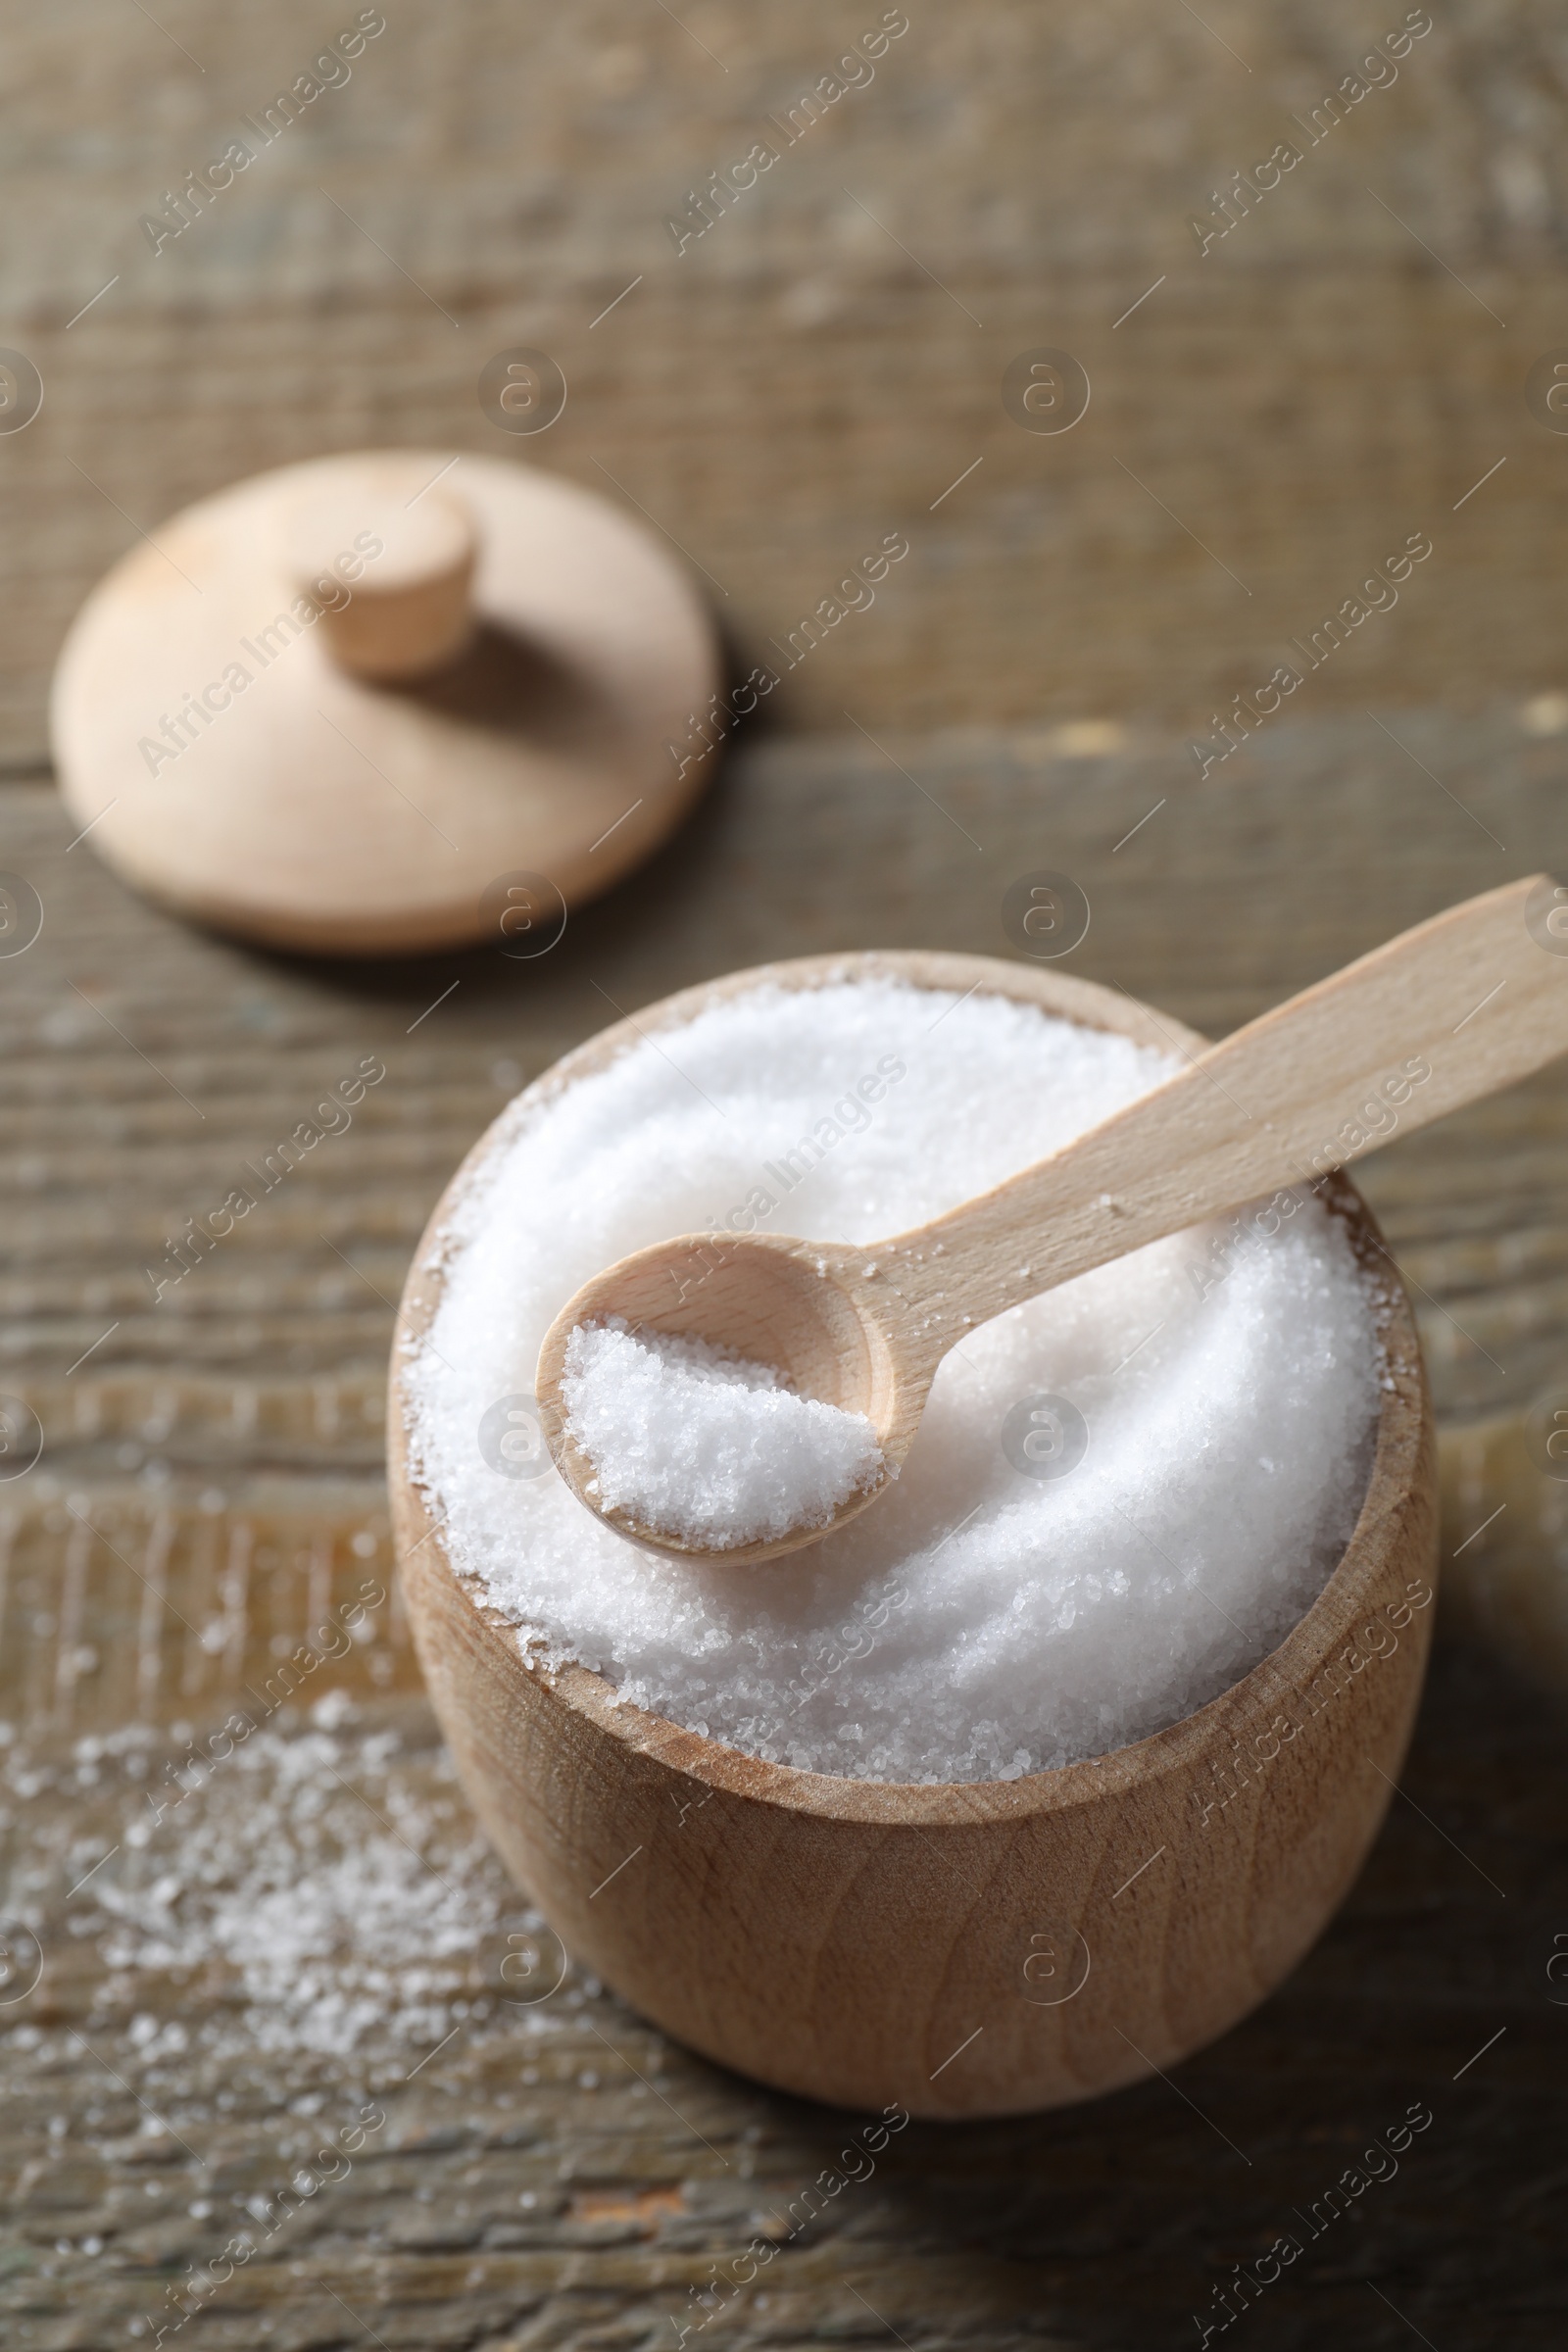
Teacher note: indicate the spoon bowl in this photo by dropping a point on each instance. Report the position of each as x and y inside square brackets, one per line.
[816, 1313]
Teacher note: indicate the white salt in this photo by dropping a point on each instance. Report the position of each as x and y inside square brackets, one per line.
[313, 1897]
[706, 1446]
[1120, 1497]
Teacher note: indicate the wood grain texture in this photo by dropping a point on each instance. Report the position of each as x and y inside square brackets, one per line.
[255, 1384]
[793, 387]
[823, 366]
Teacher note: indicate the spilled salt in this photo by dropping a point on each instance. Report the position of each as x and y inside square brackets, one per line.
[706, 1446]
[295, 1870]
[1120, 1497]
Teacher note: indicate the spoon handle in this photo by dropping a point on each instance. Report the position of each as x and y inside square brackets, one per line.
[1454, 1009]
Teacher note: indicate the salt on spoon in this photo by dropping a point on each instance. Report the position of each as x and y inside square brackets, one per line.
[1478, 993]
[709, 1447]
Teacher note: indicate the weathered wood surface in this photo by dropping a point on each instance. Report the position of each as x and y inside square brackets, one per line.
[555, 2174]
[777, 397]
[824, 363]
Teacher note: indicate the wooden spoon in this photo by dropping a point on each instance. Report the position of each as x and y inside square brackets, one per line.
[1450, 1012]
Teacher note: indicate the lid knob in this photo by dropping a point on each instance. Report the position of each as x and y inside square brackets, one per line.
[394, 581]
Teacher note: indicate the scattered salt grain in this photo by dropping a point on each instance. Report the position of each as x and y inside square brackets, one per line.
[988, 1616]
[313, 1897]
[707, 1446]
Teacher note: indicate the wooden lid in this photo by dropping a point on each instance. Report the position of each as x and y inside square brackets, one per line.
[350, 707]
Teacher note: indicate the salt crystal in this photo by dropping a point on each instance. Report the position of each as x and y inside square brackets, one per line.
[315, 1897]
[696, 1442]
[982, 1619]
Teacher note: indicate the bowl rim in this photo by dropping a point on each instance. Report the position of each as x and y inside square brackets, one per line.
[1403, 1442]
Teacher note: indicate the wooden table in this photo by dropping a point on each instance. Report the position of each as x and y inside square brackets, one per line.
[234, 1965]
[212, 1493]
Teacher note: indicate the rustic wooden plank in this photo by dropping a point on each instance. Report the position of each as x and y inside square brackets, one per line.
[777, 396]
[824, 363]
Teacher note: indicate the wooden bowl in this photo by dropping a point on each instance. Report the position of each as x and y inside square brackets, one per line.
[978, 1948]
